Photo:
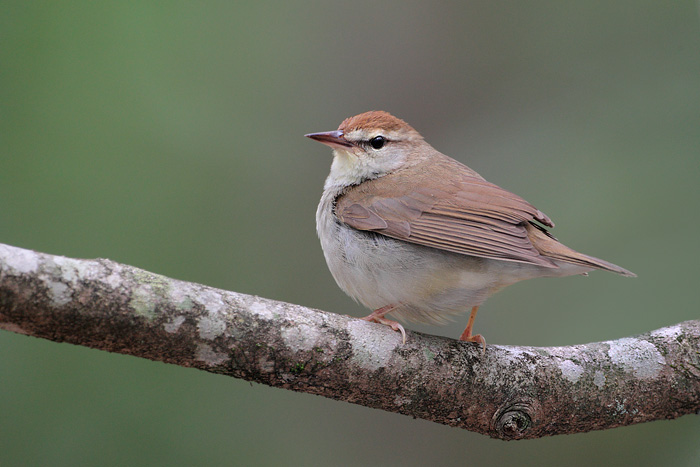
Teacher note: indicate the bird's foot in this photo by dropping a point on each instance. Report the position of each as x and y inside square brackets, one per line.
[377, 316]
[479, 339]
[467, 334]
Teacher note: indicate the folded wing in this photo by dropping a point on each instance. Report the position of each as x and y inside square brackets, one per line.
[462, 213]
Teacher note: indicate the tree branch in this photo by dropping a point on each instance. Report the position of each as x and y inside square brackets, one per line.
[508, 392]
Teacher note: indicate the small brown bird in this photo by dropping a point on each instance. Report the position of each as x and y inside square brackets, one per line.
[409, 231]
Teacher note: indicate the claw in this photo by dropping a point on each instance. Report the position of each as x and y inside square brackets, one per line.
[396, 326]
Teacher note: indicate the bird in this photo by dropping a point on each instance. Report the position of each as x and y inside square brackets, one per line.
[410, 232]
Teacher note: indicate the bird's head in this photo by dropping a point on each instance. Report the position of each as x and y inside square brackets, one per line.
[370, 145]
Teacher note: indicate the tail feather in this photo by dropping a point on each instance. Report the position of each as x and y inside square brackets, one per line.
[550, 247]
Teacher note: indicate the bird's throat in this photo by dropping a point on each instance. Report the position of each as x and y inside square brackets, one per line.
[346, 170]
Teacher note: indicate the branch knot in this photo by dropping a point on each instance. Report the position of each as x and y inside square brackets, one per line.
[514, 420]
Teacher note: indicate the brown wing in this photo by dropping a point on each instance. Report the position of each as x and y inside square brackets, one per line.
[453, 209]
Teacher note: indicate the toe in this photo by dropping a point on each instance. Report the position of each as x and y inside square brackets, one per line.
[478, 339]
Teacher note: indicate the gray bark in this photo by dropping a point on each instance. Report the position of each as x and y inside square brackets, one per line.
[507, 392]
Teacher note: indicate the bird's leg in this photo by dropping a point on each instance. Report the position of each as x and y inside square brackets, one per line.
[377, 316]
[467, 334]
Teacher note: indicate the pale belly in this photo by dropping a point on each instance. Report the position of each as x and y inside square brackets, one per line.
[425, 284]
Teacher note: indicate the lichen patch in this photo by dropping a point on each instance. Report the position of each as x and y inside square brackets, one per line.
[301, 337]
[60, 293]
[142, 302]
[173, 326]
[571, 371]
[520, 363]
[637, 356]
[599, 379]
[115, 278]
[669, 333]
[209, 356]
[18, 259]
[211, 326]
[210, 299]
[261, 310]
[369, 352]
[70, 270]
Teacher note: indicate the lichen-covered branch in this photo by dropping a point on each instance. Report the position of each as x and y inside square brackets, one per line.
[506, 392]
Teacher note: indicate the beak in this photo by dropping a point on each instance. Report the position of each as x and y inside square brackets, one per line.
[334, 139]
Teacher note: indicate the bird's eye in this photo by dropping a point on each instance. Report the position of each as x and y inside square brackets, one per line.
[377, 142]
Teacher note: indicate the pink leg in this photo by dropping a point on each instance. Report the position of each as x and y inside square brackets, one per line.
[467, 334]
[377, 316]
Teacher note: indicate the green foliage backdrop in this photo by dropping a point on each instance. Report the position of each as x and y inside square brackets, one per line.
[168, 135]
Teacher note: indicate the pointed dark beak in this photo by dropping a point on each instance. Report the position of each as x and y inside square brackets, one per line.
[334, 139]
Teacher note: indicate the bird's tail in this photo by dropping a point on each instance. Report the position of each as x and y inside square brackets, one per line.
[550, 247]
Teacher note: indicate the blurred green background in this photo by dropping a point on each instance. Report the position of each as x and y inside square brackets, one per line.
[169, 136]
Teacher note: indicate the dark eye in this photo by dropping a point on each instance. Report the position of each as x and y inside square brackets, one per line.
[377, 142]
